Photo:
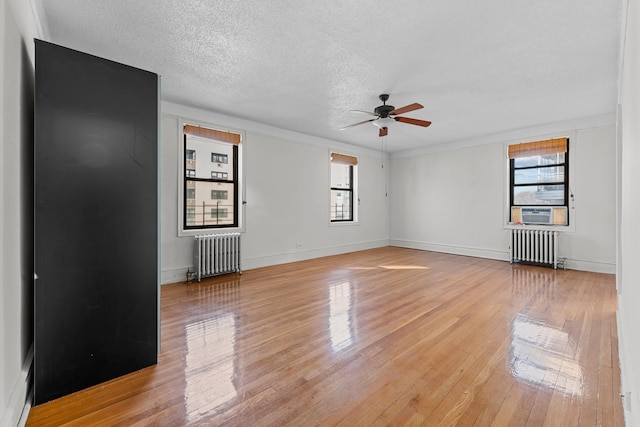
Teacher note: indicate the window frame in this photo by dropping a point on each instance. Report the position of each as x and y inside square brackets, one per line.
[237, 178]
[352, 190]
[570, 188]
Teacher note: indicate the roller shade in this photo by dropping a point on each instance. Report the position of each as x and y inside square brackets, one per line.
[343, 159]
[218, 135]
[538, 148]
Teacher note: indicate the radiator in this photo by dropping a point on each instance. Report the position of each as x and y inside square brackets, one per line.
[216, 254]
[535, 246]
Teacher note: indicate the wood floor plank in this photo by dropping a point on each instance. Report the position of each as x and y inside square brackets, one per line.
[388, 336]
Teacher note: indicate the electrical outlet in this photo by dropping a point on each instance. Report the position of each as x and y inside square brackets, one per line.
[626, 400]
[298, 245]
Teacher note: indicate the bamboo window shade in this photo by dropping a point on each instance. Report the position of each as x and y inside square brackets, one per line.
[218, 135]
[343, 159]
[538, 148]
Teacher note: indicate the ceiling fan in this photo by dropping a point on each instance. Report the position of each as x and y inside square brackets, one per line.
[386, 114]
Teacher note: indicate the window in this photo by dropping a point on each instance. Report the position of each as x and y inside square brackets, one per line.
[219, 194]
[342, 187]
[539, 173]
[219, 158]
[211, 189]
[219, 175]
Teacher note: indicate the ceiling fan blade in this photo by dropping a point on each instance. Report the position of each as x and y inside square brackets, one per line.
[359, 123]
[416, 122]
[406, 109]
[364, 112]
[383, 132]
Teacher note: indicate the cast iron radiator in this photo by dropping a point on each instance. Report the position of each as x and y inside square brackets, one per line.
[216, 254]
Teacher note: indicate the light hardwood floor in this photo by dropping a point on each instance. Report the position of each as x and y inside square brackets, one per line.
[387, 336]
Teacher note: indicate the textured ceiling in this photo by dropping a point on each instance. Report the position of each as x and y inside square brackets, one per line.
[479, 68]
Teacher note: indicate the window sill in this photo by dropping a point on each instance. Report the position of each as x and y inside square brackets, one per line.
[342, 223]
[196, 232]
[561, 228]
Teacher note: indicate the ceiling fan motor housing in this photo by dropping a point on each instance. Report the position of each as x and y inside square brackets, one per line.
[384, 110]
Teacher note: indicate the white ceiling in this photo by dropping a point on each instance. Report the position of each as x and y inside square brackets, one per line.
[478, 67]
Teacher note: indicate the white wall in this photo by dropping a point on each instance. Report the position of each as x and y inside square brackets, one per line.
[629, 297]
[17, 30]
[456, 200]
[450, 201]
[286, 179]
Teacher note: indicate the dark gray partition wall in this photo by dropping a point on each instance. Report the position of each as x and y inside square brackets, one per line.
[96, 220]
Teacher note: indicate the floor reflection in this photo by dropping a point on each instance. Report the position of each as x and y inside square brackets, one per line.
[341, 316]
[404, 267]
[544, 356]
[210, 365]
[533, 282]
[221, 295]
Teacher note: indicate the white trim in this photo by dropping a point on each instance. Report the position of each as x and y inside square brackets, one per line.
[627, 367]
[18, 403]
[242, 194]
[29, 24]
[500, 255]
[531, 133]
[283, 258]
[40, 25]
[343, 223]
[560, 228]
[623, 45]
[178, 110]
[607, 267]
[175, 275]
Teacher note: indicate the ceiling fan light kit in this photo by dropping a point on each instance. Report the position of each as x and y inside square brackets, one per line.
[386, 114]
[383, 122]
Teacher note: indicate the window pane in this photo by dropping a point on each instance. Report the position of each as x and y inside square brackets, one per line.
[537, 175]
[547, 159]
[340, 176]
[202, 210]
[219, 158]
[538, 195]
[213, 160]
[341, 205]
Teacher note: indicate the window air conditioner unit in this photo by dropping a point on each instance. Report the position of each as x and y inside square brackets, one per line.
[539, 215]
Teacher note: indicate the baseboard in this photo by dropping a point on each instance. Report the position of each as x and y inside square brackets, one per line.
[572, 264]
[18, 404]
[175, 275]
[629, 391]
[453, 249]
[302, 255]
[592, 266]
[180, 274]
